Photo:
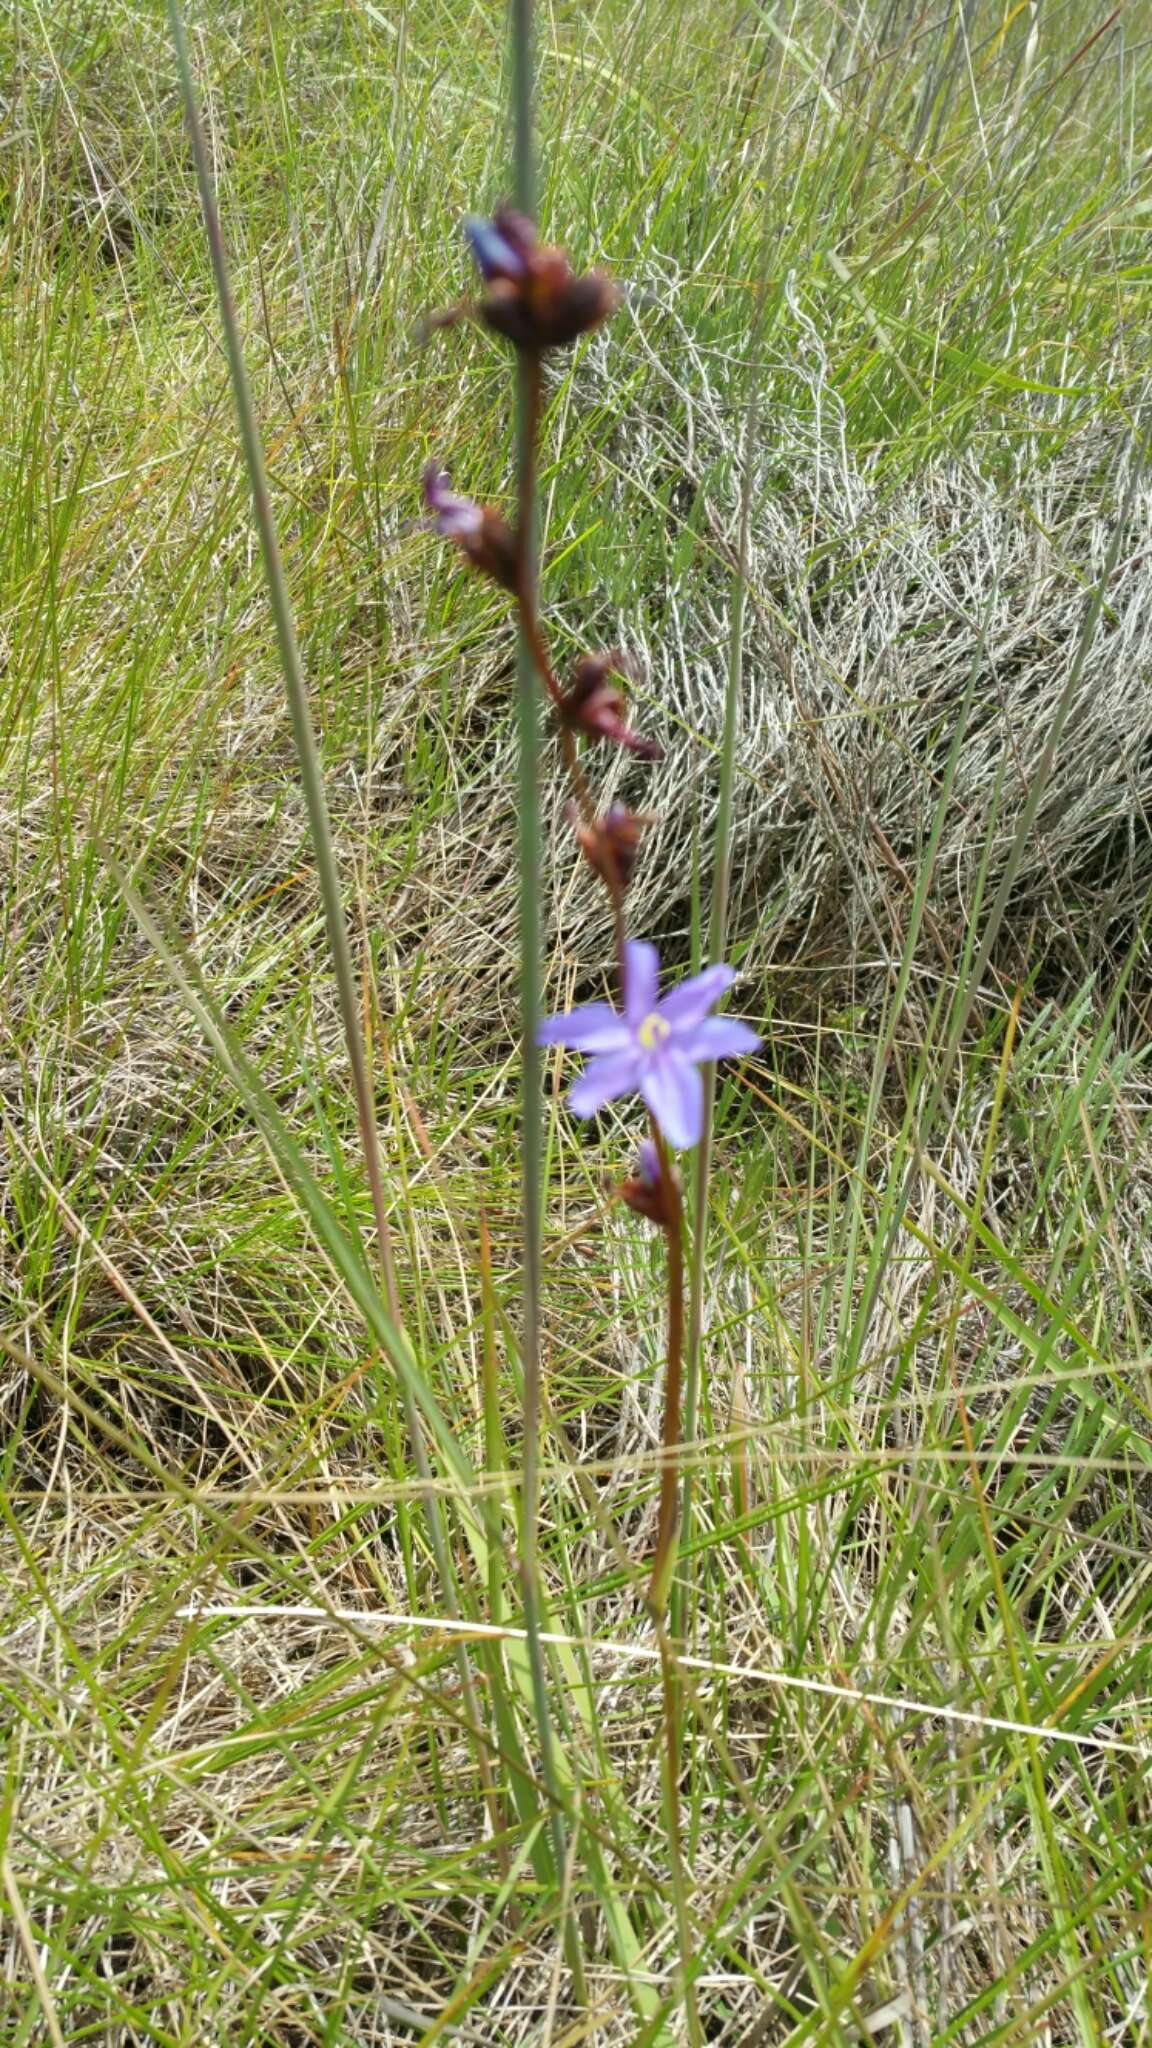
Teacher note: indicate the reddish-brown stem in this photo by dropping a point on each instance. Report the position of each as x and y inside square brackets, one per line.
[534, 635]
[536, 641]
[666, 1524]
[526, 598]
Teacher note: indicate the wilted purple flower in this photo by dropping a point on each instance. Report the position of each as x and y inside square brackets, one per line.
[655, 1047]
[595, 706]
[611, 844]
[482, 535]
[454, 518]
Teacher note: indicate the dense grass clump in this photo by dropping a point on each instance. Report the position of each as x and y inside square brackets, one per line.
[917, 1612]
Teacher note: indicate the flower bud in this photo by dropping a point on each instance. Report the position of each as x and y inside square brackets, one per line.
[644, 1190]
[533, 298]
[483, 537]
[595, 705]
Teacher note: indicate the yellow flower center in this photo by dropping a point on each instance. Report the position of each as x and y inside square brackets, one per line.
[653, 1031]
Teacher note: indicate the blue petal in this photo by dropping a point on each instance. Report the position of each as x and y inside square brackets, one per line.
[717, 1038]
[495, 255]
[648, 1164]
[674, 1092]
[602, 1081]
[595, 1028]
[641, 980]
[453, 517]
[693, 999]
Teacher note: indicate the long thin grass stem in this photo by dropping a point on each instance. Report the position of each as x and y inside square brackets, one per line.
[319, 824]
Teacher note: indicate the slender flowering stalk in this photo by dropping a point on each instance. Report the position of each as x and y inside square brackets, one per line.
[667, 1520]
[656, 1048]
[653, 1046]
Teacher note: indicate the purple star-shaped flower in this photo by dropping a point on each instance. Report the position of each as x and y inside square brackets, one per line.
[655, 1047]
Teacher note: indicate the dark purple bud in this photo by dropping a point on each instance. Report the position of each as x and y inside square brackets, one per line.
[595, 705]
[644, 1190]
[612, 844]
[483, 537]
[533, 297]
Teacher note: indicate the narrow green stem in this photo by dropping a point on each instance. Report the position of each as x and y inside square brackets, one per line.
[523, 106]
[530, 850]
[672, 1694]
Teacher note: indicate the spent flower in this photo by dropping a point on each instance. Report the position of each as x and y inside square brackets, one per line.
[611, 844]
[655, 1047]
[595, 705]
